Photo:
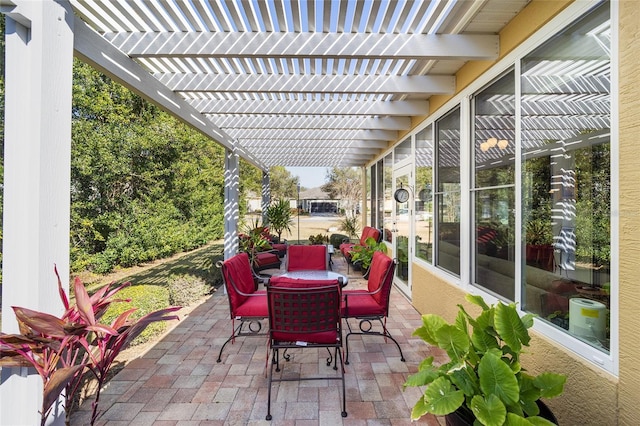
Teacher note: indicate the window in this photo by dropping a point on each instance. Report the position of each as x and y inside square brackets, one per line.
[447, 195]
[387, 175]
[565, 139]
[423, 197]
[493, 187]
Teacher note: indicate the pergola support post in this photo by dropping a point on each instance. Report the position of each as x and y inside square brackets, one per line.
[37, 164]
[266, 197]
[231, 205]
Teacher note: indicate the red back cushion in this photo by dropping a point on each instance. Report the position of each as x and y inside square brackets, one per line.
[367, 232]
[312, 257]
[304, 310]
[236, 272]
[381, 276]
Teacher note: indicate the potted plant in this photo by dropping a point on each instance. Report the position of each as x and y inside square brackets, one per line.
[483, 383]
[363, 255]
[279, 217]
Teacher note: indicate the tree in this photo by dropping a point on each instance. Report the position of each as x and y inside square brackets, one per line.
[345, 185]
[143, 185]
[282, 183]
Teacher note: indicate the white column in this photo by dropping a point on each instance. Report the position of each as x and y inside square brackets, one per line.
[266, 196]
[231, 211]
[39, 60]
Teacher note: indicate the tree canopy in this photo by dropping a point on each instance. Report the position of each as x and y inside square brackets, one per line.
[345, 185]
[143, 185]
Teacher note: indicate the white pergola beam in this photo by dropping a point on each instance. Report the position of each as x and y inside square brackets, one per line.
[306, 143]
[389, 108]
[93, 49]
[306, 45]
[260, 121]
[318, 134]
[285, 83]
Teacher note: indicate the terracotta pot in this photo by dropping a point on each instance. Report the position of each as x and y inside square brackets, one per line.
[465, 417]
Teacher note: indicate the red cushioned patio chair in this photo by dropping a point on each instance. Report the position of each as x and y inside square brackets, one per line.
[307, 258]
[304, 314]
[247, 305]
[371, 304]
[346, 248]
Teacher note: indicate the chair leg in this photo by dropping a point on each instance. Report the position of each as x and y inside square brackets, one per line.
[344, 394]
[269, 417]
[367, 331]
[234, 332]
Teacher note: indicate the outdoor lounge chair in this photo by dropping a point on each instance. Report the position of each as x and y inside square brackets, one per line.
[304, 314]
[371, 304]
[246, 304]
[346, 248]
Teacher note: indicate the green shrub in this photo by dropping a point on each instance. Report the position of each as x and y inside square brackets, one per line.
[337, 239]
[147, 298]
[186, 289]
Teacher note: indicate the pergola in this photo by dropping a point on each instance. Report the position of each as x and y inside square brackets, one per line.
[289, 83]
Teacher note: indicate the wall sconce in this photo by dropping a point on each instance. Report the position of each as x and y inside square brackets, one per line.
[503, 143]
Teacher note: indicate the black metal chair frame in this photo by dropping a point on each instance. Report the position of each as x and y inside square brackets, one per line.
[299, 311]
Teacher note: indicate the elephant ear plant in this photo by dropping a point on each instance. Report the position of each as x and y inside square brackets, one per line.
[483, 379]
[62, 349]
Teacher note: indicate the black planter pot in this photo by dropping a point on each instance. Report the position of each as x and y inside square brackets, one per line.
[464, 417]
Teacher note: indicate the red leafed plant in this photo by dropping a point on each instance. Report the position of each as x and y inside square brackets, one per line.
[63, 349]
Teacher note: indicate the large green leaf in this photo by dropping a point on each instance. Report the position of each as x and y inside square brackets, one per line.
[482, 340]
[490, 411]
[442, 398]
[422, 377]
[550, 384]
[430, 324]
[477, 300]
[420, 409]
[516, 420]
[538, 421]
[510, 327]
[453, 340]
[497, 378]
[466, 380]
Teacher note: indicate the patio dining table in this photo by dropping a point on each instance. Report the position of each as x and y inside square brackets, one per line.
[317, 275]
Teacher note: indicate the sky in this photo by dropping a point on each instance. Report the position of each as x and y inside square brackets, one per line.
[310, 177]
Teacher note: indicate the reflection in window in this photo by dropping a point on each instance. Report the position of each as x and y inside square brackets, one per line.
[423, 195]
[566, 179]
[494, 187]
[447, 195]
[402, 151]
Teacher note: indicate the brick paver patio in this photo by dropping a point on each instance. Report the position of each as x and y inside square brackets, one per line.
[178, 382]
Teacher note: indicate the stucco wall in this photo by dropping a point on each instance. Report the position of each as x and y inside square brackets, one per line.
[629, 172]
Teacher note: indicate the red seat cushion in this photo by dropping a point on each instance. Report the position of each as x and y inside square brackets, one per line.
[265, 259]
[254, 306]
[359, 303]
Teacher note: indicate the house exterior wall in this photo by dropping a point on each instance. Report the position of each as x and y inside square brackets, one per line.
[592, 396]
[629, 214]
